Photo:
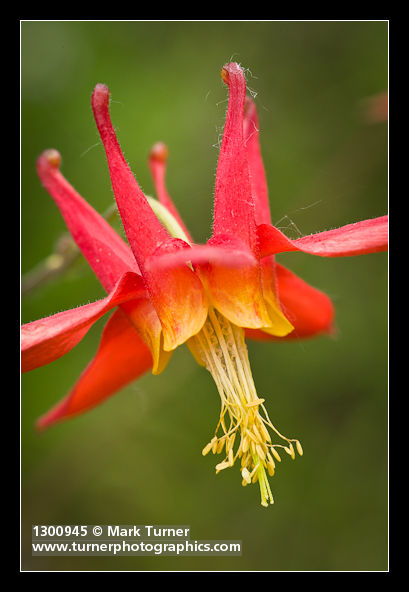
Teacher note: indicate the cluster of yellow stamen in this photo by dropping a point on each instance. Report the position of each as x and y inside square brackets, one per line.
[242, 431]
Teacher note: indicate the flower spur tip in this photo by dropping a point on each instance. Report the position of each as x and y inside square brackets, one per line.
[101, 89]
[159, 152]
[50, 157]
[230, 69]
[100, 96]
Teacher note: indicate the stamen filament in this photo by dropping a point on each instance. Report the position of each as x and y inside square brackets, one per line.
[222, 348]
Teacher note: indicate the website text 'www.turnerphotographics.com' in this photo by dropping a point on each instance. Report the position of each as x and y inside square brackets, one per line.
[117, 540]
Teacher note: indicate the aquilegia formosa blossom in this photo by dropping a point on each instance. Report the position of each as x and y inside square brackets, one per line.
[167, 291]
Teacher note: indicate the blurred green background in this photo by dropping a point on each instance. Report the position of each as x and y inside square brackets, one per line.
[137, 459]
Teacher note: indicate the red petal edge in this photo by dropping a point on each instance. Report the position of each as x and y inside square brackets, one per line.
[360, 238]
[144, 231]
[234, 211]
[108, 255]
[48, 339]
[221, 249]
[251, 132]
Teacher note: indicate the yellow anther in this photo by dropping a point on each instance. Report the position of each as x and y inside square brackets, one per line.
[207, 448]
[244, 460]
[220, 446]
[260, 451]
[270, 460]
[221, 466]
[231, 461]
[246, 444]
[289, 451]
[246, 475]
[270, 469]
[257, 434]
[252, 436]
[255, 402]
[264, 431]
[292, 451]
[275, 454]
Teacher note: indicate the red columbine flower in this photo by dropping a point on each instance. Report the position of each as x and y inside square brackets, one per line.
[166, 290]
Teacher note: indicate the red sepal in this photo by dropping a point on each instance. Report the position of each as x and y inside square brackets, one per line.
[360, 238]
[121, 358]
[46, 340]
